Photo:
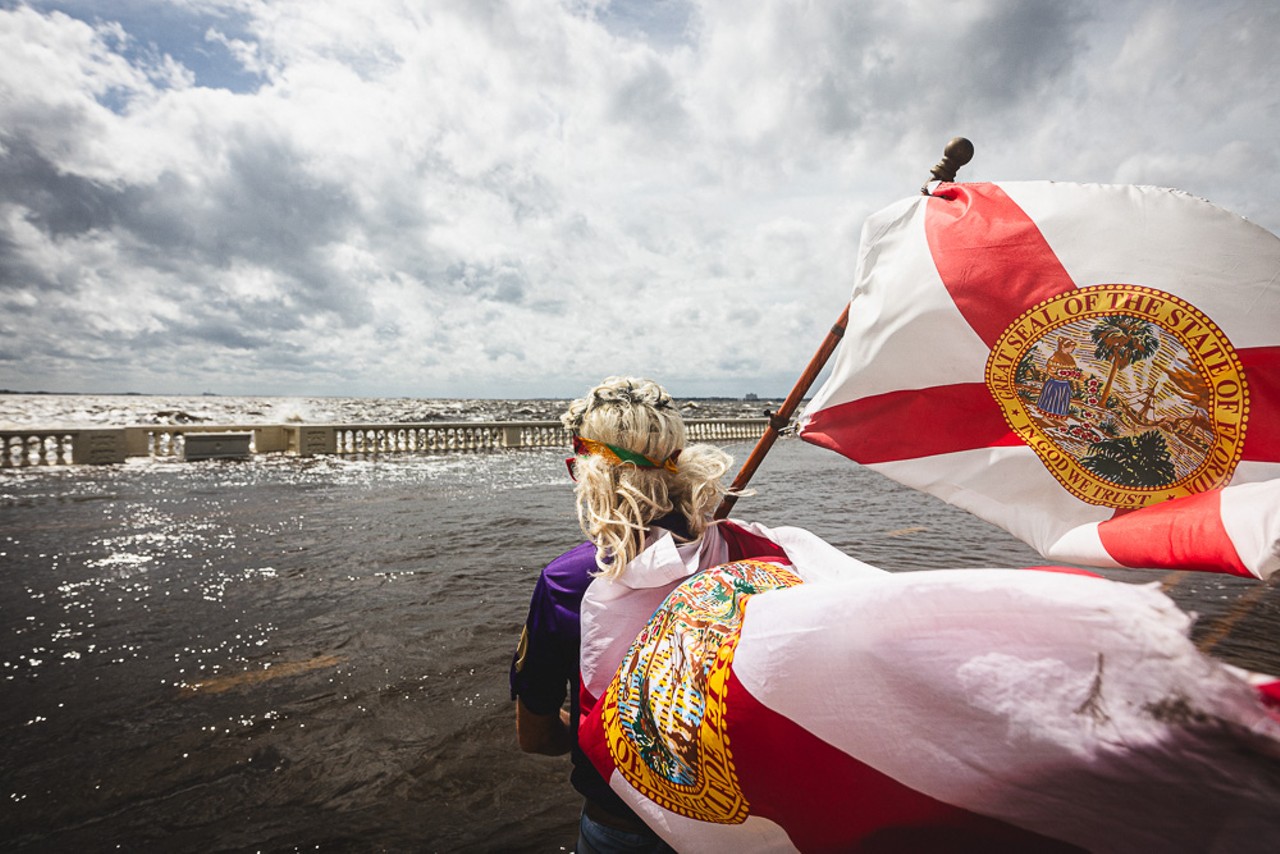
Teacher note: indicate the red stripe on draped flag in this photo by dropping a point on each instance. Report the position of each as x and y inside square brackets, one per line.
[776, 761]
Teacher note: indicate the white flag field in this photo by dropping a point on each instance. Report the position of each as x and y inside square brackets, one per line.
[1093, 368]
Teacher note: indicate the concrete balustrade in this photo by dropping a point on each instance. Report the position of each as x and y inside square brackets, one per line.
[49, 447]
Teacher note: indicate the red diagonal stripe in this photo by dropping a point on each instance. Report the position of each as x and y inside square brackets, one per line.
[1182, 533]
[909, 424]
[992, 258]
[1262, 433]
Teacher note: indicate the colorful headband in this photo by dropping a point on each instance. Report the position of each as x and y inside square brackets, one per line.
[590, 447]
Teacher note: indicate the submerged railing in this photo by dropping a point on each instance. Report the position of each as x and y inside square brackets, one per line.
[21, 448]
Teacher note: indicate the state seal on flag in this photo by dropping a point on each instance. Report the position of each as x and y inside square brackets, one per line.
[664, 715]
[1128, 395]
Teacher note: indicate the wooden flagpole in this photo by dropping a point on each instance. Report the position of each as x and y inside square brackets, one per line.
[958, 152]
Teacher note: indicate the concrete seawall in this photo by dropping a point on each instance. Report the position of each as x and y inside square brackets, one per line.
[36, 446]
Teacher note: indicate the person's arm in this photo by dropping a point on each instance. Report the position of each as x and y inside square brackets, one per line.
[548, 735]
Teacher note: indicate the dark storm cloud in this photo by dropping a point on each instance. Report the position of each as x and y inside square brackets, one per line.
[264, 208]
[58, 203]
[15, 271]
[205, 331]
[1017, 50]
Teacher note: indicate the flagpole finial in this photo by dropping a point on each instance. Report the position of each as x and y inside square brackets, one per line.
[958, 152]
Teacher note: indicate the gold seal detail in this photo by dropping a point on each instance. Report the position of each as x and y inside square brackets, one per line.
[664, 713]
[1128, 395]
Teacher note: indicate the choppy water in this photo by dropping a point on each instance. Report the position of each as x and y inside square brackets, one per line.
[118, 410]
[289, 654]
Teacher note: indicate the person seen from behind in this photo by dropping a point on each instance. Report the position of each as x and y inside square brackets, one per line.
[636, 482]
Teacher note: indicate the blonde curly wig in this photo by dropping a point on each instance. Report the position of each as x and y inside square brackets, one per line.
[618, 501]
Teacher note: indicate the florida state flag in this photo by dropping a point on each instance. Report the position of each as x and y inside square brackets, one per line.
[1095, 369]
[759, 691]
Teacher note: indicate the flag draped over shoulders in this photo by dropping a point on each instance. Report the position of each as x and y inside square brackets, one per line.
[761, 691]
[1095, 369]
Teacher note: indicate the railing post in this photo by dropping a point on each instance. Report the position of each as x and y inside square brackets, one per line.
[316, 439]
[98, 446]
[136, 441]
[269, 438]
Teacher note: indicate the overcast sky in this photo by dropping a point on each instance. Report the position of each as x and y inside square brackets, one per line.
[487, 199]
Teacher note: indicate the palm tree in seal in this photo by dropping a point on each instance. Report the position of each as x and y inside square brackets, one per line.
[1141, 461]
[1122, 340]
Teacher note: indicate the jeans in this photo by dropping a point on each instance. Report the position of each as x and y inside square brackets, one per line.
[597, 838]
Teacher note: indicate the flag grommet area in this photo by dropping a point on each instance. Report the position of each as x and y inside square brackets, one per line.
[1127, 394]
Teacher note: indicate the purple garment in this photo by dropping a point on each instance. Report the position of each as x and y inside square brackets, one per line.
[552, 632]
[545, 667]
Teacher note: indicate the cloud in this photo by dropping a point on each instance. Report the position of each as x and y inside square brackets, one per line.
[497, 198]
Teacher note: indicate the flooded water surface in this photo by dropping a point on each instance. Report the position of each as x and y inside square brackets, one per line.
[286, 654]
